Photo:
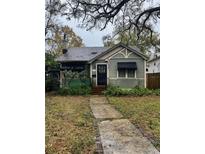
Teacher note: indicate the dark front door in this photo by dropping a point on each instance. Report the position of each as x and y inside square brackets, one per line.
[101, 74]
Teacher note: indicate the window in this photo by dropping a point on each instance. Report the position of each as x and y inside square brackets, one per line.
[130, 73]
[126, 73]
[126, 69]
[121, 73]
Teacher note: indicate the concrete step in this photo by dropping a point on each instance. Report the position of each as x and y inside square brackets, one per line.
[98, 90]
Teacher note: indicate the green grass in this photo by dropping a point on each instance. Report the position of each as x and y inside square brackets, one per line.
[69, 125]
[143, 112]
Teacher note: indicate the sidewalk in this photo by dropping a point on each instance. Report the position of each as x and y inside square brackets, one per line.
[118, 136]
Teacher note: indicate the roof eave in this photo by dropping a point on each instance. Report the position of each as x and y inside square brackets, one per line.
[117, 45]
[153, 59]
[62, 61]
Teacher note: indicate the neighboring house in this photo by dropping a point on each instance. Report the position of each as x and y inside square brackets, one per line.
[119, 65]
[153, 64]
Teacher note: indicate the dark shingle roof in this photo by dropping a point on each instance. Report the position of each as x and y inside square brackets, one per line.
[92, 53]
[81, 53]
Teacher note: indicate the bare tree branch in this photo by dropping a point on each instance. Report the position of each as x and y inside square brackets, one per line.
[127, 14]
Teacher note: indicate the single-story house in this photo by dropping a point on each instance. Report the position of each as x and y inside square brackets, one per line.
[119, 65]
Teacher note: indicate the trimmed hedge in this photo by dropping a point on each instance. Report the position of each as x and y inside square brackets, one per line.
[117, 91]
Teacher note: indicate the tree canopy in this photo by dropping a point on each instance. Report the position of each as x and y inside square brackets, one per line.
[55, 31]
[58, 43]
[126, 15]
[144, 43]
[134, 16]
[53, 10]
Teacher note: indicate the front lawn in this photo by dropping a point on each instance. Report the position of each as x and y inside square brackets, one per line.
[143, 112]
[69, 125]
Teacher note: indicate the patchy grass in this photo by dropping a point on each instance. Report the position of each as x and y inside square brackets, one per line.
[143, 112]
[69, 125]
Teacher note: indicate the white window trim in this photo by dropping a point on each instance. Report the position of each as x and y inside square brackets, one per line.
[96, 82]
[128, 78]
[126, 75]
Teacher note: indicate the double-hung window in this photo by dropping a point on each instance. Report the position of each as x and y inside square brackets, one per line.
[131, 73]
[122, 73]
[126, 69]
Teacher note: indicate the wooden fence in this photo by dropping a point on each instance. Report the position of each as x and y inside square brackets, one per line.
[153, 80]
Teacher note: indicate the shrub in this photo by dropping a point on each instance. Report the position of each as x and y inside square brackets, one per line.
[117, 91]
[142, 91]
[156, 92]
[78, 90]
[113, 90]
[63, 91]
[51, 84]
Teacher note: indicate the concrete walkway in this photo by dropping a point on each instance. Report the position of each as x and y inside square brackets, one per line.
[102, 110]
[118, 136]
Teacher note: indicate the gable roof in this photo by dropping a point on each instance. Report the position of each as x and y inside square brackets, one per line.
[131, 48]
[90, 54]
[81, 54]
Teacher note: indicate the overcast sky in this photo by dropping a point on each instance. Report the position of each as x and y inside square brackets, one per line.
[93, 38]
[90, 38]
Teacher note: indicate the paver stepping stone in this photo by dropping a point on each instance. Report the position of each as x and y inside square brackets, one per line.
[121, 137]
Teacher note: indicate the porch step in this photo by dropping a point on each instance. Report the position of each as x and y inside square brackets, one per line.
[98, 90]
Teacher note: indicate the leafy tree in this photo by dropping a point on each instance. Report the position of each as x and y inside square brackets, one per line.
[53, 10]
[144, 43]
[59, 41]
[50, 60]
[108, 40]
[55, 31]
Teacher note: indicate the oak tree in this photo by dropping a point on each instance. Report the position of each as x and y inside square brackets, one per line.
[126, 15]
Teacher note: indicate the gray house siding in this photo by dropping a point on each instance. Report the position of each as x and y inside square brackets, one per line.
[138, 80]
[126, 82]
[110, 56]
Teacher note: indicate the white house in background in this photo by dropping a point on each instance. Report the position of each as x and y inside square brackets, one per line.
[153, 64]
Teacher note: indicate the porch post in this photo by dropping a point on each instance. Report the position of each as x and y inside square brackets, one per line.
[91, 71]
[145, 78]
[61, 79]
